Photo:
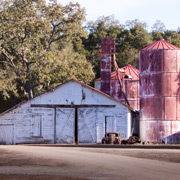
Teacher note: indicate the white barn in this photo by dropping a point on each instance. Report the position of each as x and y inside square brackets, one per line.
[70, 113]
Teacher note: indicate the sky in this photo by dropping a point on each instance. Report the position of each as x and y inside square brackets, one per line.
[167, 11]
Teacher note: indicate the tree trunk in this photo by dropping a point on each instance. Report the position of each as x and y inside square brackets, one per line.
[29, 89]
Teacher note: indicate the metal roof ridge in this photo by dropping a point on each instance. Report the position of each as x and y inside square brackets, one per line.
[152, 45]
[161, 44]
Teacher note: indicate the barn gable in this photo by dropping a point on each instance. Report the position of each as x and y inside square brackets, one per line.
[76, 92]
[70, 113]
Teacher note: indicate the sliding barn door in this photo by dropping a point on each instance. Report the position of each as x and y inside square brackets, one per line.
[87, 125]
[65, 125]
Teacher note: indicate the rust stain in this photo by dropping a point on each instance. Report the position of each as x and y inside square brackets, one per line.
[107, 47]
[130, 83]
[83, 95]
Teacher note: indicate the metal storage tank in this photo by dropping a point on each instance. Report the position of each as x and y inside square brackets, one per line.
[130, 81]
[159, 66]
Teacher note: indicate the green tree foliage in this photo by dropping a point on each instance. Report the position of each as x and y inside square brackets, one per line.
[40, 47]
[33, 36]
[159, 31]
[129, 39]
[173, 37]
[103, 27]
[133, 38]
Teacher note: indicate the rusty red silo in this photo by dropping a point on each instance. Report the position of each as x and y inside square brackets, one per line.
[107, 49]
[159, 66]
[130, 81]
[129, 76]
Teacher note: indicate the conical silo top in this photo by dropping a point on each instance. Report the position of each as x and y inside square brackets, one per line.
[160, 44]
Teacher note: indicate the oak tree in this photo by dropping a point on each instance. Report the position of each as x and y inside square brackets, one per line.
[33, 39]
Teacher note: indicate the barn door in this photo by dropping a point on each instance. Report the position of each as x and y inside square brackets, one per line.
[65, 125]
[6, 134]
[109, 124]
[87, 125]
[36, 126]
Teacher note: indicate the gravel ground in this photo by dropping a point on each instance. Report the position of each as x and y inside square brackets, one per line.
[69, 163]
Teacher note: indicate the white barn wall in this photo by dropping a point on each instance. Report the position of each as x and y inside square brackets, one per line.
[97, 85]
[60, 125]
[22, 118]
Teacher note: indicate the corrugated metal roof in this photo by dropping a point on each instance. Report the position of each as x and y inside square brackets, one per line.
[131, 71]
[160, 44]
[127, 70]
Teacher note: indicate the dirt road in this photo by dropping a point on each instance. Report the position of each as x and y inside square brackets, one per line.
[33, 162]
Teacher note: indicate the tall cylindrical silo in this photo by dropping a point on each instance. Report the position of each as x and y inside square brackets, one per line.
[159, 65]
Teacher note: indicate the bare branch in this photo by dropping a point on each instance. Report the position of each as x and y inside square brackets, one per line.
[32, 62]
[51, 38]
[11, 53]
[10, 63]
[4, 62]
[52, 34]
[10, 60]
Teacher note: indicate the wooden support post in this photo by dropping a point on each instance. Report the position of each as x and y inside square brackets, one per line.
[76, 126]
[55, 114]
